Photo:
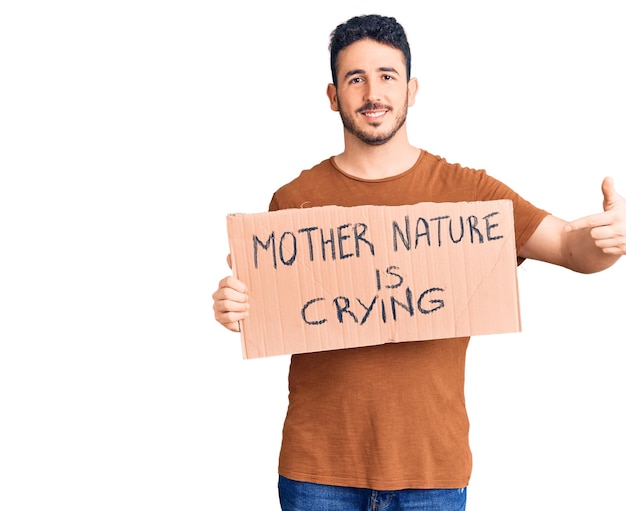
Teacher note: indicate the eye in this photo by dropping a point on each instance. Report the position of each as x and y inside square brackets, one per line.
[356, 79]
[387, 78]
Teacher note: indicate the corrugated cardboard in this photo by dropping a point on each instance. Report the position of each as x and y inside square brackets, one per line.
[335, 277]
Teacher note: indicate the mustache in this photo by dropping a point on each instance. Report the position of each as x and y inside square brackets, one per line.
[373, 106]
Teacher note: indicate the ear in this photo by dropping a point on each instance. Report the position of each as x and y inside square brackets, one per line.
[331, 92]
[413, 86]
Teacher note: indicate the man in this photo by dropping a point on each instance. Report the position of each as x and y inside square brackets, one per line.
[386, 426]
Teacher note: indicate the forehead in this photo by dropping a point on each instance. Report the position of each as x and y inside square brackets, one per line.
[369, 55]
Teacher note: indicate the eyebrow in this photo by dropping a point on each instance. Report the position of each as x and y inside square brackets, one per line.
[380, 69]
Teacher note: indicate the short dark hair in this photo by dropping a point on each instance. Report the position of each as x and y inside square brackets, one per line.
[382, 29]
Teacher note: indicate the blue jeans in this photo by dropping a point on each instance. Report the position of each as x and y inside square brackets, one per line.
[298, 496]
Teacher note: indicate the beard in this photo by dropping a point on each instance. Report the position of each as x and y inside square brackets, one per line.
[373, 138]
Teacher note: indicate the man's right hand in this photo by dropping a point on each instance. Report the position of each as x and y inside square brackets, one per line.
[230, 303]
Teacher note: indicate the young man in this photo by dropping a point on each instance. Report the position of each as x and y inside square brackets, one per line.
[386, 426]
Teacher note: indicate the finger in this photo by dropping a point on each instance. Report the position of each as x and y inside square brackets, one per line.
[225, 302]
[233, 283]
[230, 309]
[604, 232]
[613, 246]
[609, 243]
[597, 220]
[618, 250]
[610, 194]
[226, 293]
[229, 314]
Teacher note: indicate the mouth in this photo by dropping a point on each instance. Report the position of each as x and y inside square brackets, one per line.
[374, 114]
[373, 111]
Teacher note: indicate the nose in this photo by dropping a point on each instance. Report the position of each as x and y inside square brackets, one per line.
[372, 92]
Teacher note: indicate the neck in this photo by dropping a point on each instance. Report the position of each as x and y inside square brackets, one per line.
[377, 161]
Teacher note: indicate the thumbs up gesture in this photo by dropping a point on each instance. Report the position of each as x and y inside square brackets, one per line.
[607, 229]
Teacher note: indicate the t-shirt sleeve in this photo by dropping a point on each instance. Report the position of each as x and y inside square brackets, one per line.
[526, 216]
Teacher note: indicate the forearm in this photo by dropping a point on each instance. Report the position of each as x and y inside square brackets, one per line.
[581, 253]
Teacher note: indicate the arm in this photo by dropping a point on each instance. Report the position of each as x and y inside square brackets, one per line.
[587, 245]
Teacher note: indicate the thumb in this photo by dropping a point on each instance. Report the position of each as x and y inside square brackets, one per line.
[610, 195]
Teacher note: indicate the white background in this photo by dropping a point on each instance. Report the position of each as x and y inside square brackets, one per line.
[130, 129]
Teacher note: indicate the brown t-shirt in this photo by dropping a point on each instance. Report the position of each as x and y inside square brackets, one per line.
[392, 416]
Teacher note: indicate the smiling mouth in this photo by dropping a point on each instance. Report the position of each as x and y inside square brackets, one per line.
[374, 115]
[373, 110]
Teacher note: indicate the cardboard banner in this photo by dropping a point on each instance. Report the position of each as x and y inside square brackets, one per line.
[336, 277]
